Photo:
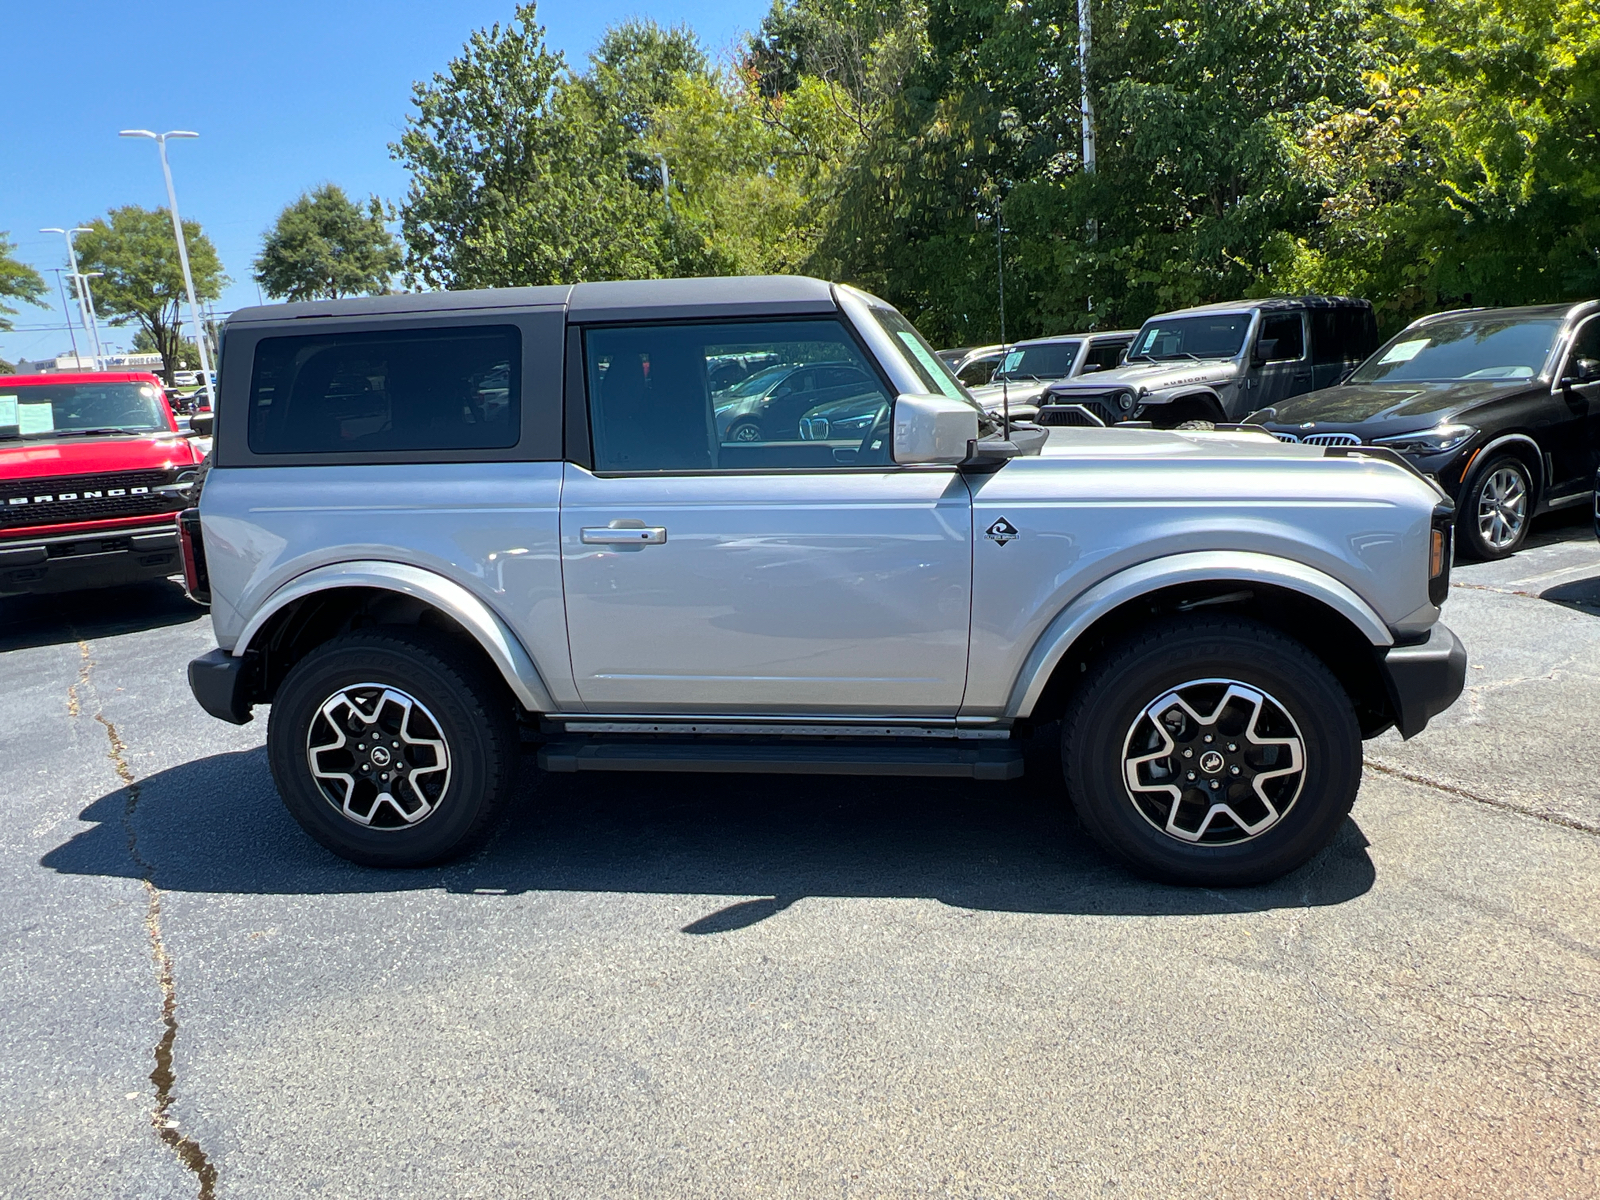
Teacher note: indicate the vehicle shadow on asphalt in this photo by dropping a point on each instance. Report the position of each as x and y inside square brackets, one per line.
[30, 621]
[216, 825]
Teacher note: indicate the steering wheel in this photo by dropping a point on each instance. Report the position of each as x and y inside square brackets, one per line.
[880, 428]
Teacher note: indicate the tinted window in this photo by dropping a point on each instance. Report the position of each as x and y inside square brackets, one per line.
[55, 409]
[1219, 336]
[1282, 337]
[1465, 348]
[979, 371]
[1587, 343]
[395, 390]
[654, 404]
[1342, 335]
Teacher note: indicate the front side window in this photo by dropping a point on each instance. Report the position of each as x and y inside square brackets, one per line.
[81, 409]
[1210, 336]
[390, 390]
[1492, 348]
[655, 403]
[1104, 356]
[1282, 338]
[1041, 361]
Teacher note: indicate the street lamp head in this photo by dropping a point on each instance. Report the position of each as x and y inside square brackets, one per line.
[52, 229]
[180, 133]
[80, 229]
[136, 133]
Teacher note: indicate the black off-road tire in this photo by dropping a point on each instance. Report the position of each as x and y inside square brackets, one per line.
[1106, 718]
[459, 696]
[1469, 531]
[1195, 424]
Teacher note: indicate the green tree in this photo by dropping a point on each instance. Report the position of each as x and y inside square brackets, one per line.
[18, 281]
[516, 177]
[142, 281]
[324, 245]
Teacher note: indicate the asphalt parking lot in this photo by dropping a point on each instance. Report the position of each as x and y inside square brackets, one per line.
[722, 986]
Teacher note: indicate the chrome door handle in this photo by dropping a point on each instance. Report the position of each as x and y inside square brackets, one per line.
[611, 535]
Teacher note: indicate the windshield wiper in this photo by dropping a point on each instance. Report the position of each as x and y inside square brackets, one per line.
[96, 431]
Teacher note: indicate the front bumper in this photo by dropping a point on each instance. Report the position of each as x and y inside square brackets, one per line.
[221, 683]
[1424, 679]
[94, 559]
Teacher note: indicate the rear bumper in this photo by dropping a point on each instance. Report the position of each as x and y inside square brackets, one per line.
[97, 559]
[1425, 679]
[219, 682]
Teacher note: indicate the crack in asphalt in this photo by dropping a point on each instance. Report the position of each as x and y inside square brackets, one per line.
[1452, 789]
[188, 1150]
[74, 705]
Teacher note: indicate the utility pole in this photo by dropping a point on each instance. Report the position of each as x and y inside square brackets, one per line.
[1085, 104]
[160, 140]
[66, 310]
[1000, 274]
[666, 184]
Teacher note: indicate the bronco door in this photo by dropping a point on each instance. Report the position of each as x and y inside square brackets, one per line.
[775, 577]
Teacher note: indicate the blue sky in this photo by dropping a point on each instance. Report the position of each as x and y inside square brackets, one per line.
[285, 95]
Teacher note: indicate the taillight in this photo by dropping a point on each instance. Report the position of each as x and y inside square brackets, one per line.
[196, 581]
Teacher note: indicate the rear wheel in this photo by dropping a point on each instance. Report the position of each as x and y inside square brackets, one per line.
[392, 748]
[1496, 508]
[1215, 752]
[745, 431]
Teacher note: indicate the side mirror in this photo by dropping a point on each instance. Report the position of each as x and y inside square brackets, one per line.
[1265, 349]
[200, 425]
[932, 429]
[1582, 370]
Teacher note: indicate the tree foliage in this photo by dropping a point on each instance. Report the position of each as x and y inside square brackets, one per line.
[142, 279]
[18, 281]
[1419, 152]
[324, 245]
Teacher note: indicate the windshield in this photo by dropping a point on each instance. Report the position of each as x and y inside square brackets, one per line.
[915, 352]
[1046, 360]
[44, 410]
[1219, 336]
[1465, 348]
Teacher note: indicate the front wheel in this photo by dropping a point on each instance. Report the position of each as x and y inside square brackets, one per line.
[1496, 508]
[393, 748]
[1215, 752]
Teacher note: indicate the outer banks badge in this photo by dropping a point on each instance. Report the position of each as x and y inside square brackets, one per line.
[1002, 531]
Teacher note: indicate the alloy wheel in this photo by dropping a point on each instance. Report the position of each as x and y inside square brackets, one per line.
[1214, 762]
[1502, 507]
[379, 756]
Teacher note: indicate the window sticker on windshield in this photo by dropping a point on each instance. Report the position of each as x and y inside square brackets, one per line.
[8, 410]
[932, 365]
[36, 418]
[1404, 351]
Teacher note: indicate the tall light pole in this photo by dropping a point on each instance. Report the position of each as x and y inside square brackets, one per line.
[160, 140]
[80, 289]
[666, 184]
[71, 333]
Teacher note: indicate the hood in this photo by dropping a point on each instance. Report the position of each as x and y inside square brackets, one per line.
[1409, 405]
[35, 459]
[992, 395]
[1153, 376]
[1114, 442]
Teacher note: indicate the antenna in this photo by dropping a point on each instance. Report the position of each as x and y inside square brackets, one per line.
[1000, 275]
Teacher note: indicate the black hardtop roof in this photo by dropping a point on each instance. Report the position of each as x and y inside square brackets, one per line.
[623, 300]
[1269, 304]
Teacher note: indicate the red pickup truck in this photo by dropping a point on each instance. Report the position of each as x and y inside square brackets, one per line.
[93, 472]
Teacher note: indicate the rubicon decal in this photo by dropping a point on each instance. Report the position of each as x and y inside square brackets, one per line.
[1002, 531]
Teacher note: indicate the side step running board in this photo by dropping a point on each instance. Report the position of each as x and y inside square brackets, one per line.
[961, 762]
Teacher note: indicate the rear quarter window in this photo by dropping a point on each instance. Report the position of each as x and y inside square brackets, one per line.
[387, 390]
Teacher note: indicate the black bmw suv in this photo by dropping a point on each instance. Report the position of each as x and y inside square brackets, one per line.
[1501, 406]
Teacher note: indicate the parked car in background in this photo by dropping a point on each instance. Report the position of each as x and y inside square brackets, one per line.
[1500, 406]
[1029, 367]
[1199, 366]
[768, 406]
[973, 365]
[93, 472]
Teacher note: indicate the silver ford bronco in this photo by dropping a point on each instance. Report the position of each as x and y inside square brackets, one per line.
[443, 530]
